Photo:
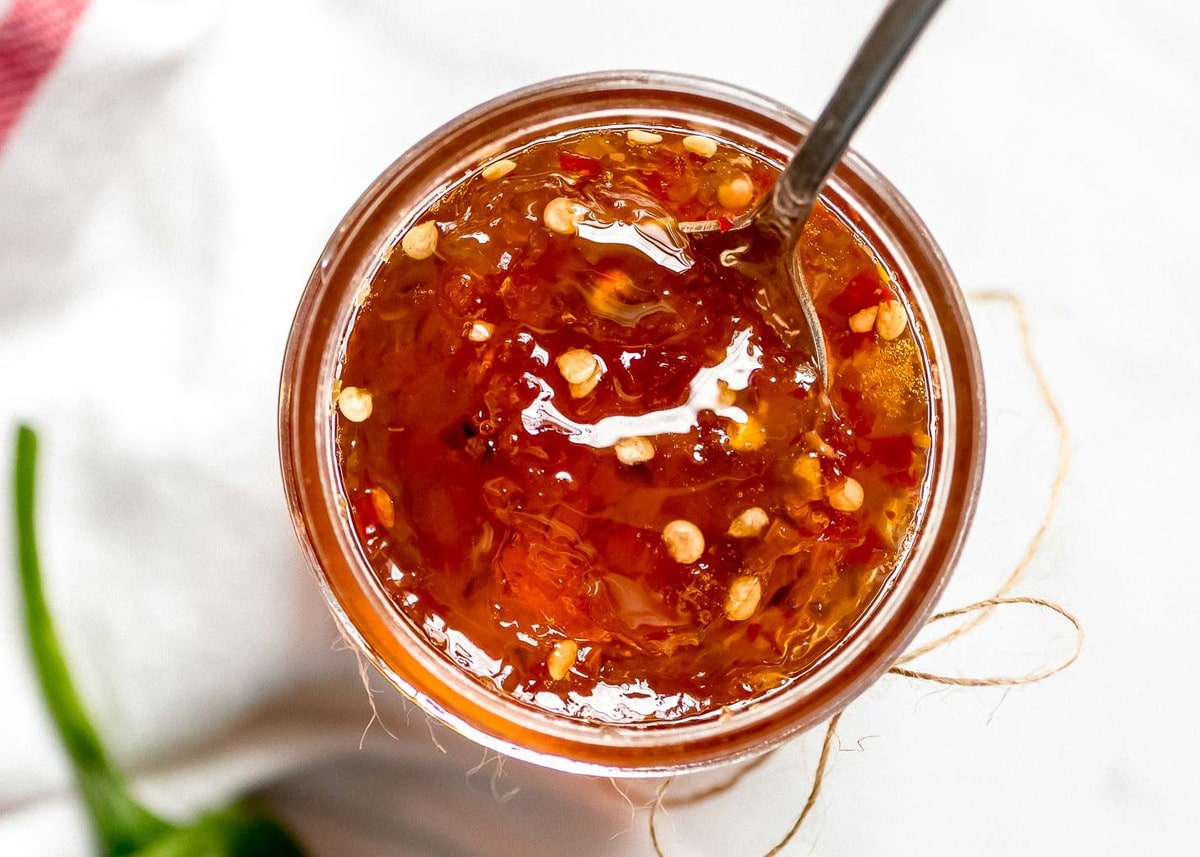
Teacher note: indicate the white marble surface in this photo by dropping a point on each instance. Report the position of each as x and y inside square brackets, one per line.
[160, 208]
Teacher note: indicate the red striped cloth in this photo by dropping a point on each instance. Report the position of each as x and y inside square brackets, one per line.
[33, 34]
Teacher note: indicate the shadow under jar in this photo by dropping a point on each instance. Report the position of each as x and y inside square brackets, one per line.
[557, 476]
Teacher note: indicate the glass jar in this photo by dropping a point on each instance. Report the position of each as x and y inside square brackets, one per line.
[319, 510]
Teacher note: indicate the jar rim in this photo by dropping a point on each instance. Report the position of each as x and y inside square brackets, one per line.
[368, 618]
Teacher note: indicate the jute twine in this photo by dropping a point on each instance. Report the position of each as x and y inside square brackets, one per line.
[976, 613]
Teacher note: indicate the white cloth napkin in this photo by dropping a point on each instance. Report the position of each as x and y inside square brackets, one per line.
[162, 199]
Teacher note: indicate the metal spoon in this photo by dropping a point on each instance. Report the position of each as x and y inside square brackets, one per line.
[764, 246]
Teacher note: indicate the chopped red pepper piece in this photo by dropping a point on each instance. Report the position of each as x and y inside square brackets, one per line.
[577, 163]
[864, 290]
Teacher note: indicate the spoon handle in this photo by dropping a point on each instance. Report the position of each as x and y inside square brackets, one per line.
[876, 61]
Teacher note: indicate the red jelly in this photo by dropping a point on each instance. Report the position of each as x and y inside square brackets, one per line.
[583, 463]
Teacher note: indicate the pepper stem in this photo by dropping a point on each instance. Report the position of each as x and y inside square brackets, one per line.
[122, 824]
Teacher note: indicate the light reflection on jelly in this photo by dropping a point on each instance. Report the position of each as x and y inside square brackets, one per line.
[742, 358]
